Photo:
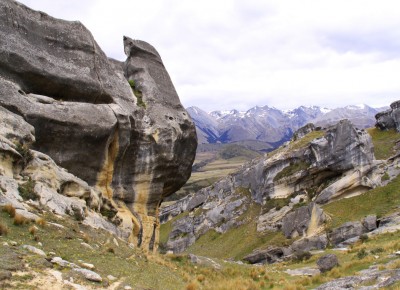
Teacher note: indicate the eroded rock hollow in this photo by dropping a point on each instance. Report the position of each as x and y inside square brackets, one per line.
[118, 126]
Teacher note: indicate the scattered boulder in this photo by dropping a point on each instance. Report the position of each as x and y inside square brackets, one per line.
[327, 262]
[35, 250]
[88, 274]
[369, 223]
[270, 255]
[310, 243]
[345, 232]
[303, 131]
[389, 119]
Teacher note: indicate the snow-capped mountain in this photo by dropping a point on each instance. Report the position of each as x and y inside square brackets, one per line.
[271, 125]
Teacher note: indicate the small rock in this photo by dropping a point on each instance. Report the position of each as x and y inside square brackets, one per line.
[327, 262]
[89, 275]
[87, 266]
[40, 244]
[111, 278]
[132, 246]
[303, 272]
[397, 253]
[115, 242]
[34, 250]
[87, 246]
[52, 253]
[13, 243]
[5, 244]
[169, 252]
[59, 261]
[127, 288]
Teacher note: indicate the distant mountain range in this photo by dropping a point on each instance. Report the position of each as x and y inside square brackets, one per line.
[271, 126]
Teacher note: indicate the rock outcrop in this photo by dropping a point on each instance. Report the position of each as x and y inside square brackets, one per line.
[389, 119]
[133, 142]
[286, 186]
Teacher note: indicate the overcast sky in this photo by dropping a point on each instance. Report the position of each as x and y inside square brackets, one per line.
[238, 54]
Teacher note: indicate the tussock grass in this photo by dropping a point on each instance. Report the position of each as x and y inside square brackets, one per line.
[20, 220]
[8, 208]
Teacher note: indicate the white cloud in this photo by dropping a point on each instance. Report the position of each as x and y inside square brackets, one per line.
[237, 54]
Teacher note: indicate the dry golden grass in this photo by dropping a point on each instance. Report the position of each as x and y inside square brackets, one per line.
[201, 278]
[192, 286]
[3, 229]
[9, 209]
[32, 230]
[20, 220]
[41, 222]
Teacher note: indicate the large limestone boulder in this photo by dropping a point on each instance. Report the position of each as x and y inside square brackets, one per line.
[133, 143]
[343, 148]
[389, 119]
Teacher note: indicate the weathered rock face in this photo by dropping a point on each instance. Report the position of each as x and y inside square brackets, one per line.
[342, 148]
[133, 144]
[339, 163]
[389, 119]
[304, 220]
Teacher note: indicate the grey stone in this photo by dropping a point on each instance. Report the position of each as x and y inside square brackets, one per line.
[310, 243]
[389, 119]
[89, 275]
[346, 231]
[327, 262]
[270, 255]
[369, 223]
[34, 250]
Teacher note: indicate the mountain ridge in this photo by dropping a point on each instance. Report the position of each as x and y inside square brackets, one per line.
[272, 125]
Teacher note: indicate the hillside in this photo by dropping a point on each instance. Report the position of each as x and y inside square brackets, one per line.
[310, 206]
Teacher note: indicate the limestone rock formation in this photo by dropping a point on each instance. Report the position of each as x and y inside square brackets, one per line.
[389, 119]
[287, 186]
[131, 141]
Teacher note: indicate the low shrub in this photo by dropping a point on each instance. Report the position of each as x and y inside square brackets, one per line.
[41, 222]
[27, 190]
[361, 254]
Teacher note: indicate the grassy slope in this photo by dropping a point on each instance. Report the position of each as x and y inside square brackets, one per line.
[130, 266]
[384, 142]
[380, 201]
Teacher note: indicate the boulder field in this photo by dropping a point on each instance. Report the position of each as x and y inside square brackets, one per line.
[118, 128]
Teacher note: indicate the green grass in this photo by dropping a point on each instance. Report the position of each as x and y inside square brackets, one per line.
[236, 242]
[379, 201]
[384, 142]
